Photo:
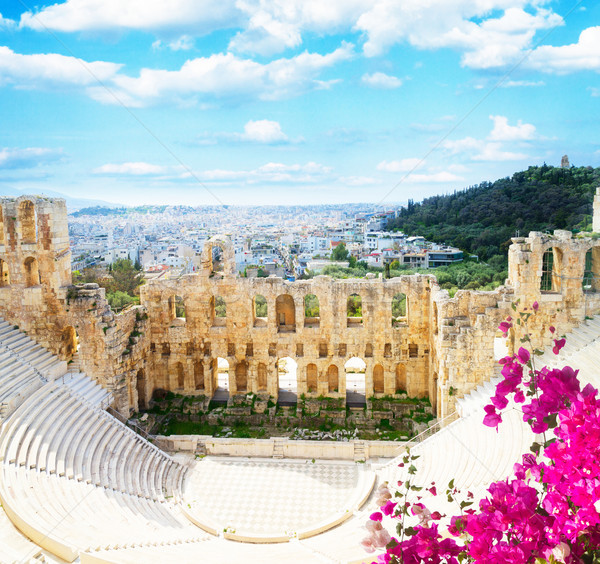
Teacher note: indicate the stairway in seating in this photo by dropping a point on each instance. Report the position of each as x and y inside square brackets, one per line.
[581, 352]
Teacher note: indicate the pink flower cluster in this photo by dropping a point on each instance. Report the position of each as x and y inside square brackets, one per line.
[549, 510]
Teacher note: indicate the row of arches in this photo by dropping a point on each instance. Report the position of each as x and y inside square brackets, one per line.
[285, 310]
[552, 274]
[327, 379]
[31, 273]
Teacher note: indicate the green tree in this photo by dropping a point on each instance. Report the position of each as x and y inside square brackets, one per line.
[340, 252]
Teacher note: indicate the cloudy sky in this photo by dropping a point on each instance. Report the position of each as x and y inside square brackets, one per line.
[292, 101]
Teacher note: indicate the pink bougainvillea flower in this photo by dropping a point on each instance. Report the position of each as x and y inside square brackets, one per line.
[491, 419]
[388, 508]
[558, 344]
[505, 326]
[551, 328]
[535, 306]
[377, 516]
[523, 355]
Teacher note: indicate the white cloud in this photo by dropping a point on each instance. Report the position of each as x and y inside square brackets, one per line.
[183, 43]
[270, 173]
[358, 180]
[594, 92]
[504, 132]
[6, 23]
[435, 177]
[218, 76]
[264, 131]
[405, 165]
[520, 83]
[381, 80]
[198, 16]
[466, 25]
[130, 169]
[51, 70]
[492, 149]
[583, 55]
[13, 158]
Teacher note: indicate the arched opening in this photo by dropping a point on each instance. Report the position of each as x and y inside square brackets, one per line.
[217, 259]
[32, 273]
[69, 342]
[287, 369]
[241, 376]
[333, 378]
[400, 379]
[221, 366]
[261, 311]
[312, 311]
[435, 318]
[285, 311]
[354, 314]
[179, 376]
[399, 310]
[140, 386]
[311, 378]
[355, 382]
[378, 379]
[218, 312]
[500, 346]
[27, 222]
[551, 271]
[198, 375]
[4, 273]
[177, 306]
[591, 274]
[262, 377]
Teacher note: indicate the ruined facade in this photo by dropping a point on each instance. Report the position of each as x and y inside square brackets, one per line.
[411, 335]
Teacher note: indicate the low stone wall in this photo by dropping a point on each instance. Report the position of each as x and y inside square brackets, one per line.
[265, 448]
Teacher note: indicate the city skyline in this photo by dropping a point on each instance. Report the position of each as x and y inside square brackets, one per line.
[298, 103]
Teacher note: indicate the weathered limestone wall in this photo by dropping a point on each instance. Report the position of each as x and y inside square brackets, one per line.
[442, 348]
[196, 341]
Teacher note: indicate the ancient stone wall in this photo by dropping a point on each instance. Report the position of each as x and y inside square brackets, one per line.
[437, 347]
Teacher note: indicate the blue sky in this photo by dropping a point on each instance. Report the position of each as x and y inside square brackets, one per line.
[292, 101]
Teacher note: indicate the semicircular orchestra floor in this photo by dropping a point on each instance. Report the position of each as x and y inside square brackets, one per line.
[261, 500]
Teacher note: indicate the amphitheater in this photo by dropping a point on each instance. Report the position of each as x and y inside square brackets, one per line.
[77, 484]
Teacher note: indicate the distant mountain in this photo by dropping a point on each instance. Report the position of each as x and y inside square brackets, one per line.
[482, 219]
[73, 204]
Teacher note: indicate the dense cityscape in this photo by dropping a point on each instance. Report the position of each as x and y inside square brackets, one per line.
[289, 242]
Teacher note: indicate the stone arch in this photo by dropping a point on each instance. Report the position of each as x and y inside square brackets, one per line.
[241, 376]
[333, 378]
[399, 309]
[140, 386]
[218, 311]
[311, 377]
[591, 273]
[262, 377]
[32, 273]
[177, 307]
[221, 370]
[354, 314]
[198, 375]
[225, 255]
[180, 376]
[285, 313]
[27, 221]
[551, 271]
[356, 369]
[287, 379]
[378, 379]
[312, 311]
[69, 342]
[400, 378]
[260, 310]
[4, 273]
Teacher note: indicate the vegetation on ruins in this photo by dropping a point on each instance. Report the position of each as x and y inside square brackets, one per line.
[547, 512]
[121, 281]
[482, 219]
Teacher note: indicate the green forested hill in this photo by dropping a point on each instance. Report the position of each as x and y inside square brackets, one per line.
[482, 219]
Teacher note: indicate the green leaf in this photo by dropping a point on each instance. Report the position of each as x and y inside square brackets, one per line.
[451, 484]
